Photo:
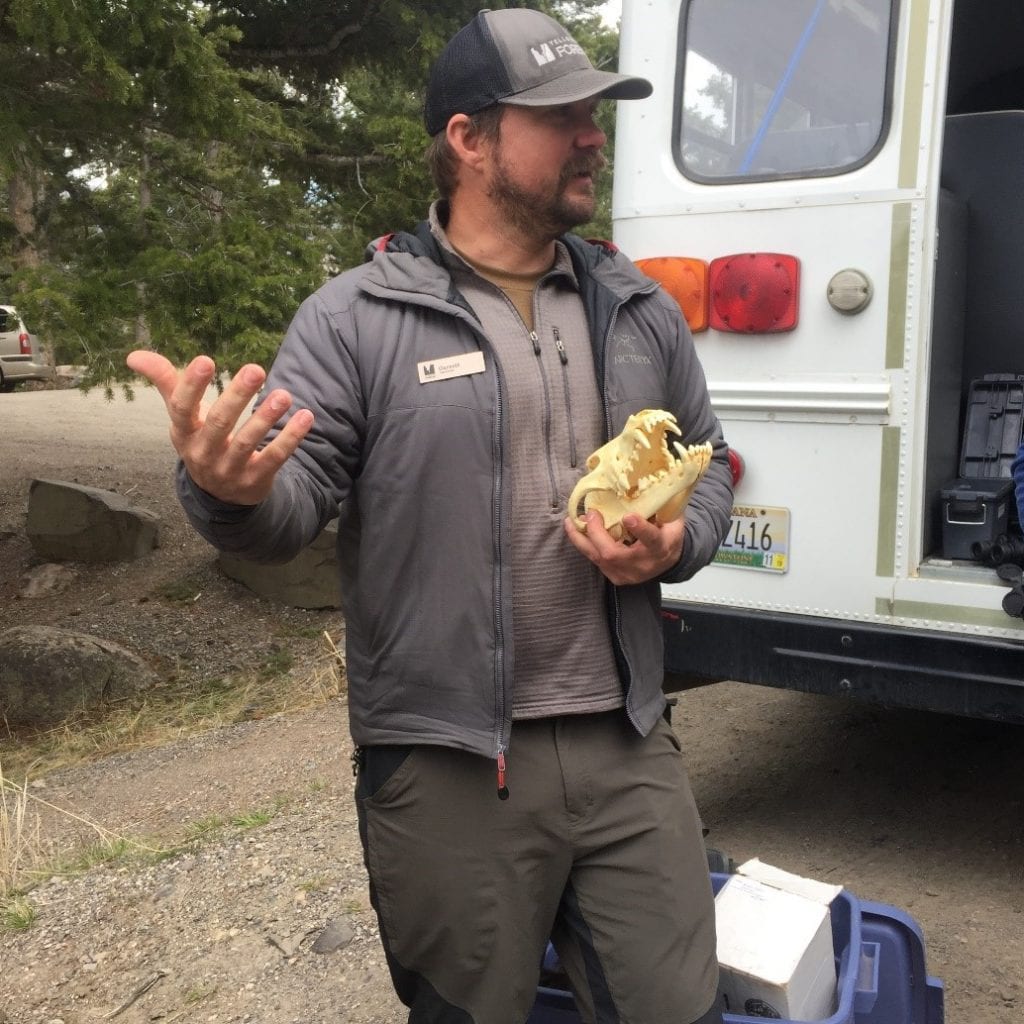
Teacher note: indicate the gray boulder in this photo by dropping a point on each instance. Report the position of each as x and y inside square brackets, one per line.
[309, 580]
[71, 523]
[47, 674]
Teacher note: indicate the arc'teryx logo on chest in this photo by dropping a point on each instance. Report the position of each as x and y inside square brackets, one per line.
[625, 352]
[565, 46]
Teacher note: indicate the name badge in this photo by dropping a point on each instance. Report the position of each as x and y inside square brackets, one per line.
[450, 366]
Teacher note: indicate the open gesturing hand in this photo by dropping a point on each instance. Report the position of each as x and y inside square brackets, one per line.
[221, 455]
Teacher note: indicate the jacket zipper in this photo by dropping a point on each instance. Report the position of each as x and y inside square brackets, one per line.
[497, 585]
[503, 793]
[616, 609]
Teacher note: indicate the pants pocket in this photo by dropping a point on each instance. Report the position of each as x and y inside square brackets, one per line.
[378, 765]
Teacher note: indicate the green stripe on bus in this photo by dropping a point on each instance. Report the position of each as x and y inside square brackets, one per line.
[899, 261]
[885, 564]
[913, 95]
[956, 614]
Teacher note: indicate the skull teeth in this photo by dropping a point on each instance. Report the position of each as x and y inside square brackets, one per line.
[641, 470]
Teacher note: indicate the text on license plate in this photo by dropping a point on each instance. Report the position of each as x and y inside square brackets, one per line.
[758, 538]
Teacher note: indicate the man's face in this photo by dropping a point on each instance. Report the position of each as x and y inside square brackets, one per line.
[545, 163]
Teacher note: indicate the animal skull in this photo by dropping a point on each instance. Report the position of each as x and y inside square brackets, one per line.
[636, 473]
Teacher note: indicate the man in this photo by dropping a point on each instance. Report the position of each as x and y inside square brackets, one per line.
[517, 777]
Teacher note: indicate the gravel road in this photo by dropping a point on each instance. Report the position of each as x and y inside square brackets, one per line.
[922, 811]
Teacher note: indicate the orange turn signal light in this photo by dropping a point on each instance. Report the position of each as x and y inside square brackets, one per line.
[686, 280]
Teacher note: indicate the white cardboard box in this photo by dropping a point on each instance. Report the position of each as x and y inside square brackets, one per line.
[775, 950]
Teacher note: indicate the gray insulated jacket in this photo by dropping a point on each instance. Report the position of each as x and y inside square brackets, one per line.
[416, 473]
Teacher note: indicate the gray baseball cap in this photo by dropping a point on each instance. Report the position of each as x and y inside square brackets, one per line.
[521, 57]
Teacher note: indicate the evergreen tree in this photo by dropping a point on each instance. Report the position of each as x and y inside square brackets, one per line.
[182, 175]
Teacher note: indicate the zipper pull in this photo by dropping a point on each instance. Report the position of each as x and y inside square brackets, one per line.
[502, 788]
[536, 343]
[561, 348]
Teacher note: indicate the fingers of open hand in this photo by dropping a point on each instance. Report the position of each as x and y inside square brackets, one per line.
[222, 417]
[182, 391]
[221, 447]
[262, 465]
[159, 370]
[234, 466]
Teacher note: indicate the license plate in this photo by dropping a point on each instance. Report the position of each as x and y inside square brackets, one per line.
[758, 538]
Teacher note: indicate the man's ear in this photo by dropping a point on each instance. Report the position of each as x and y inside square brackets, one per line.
[468, 144]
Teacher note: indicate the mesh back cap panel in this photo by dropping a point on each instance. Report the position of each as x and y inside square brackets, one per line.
[468, 76]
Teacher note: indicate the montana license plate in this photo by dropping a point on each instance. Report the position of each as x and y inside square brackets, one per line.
[758, 538]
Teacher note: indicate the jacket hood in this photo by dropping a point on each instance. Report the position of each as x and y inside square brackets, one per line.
[412, 262]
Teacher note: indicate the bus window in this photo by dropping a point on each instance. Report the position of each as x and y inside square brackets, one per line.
[782, 90]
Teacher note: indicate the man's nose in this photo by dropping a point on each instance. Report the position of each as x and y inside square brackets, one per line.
[591, 136]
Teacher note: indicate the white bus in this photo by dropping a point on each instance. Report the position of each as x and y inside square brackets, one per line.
[834, 192]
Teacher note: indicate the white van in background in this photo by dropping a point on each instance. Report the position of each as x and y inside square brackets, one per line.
[20, 355]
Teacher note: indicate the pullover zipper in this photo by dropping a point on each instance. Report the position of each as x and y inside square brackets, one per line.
[564, 357]
[535, 341]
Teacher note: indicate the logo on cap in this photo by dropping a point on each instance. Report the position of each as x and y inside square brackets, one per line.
[544, 55]
[563, 46]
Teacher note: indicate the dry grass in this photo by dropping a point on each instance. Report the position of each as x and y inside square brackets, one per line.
[174, 710]
[20, 841]
[27, 855]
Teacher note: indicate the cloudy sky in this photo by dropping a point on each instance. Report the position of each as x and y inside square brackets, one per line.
[611, 11]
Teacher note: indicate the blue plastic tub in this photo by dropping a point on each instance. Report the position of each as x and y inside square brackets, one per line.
[906, 993]
[880, 968]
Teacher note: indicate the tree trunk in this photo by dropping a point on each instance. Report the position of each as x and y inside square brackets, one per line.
[22, 193]
[142, 333]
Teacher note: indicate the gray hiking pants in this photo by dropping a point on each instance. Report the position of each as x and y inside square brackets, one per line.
[598, 847]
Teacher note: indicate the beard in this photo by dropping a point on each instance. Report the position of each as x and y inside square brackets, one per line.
[546, 213]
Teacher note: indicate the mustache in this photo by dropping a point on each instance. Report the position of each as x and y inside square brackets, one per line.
[592, 165]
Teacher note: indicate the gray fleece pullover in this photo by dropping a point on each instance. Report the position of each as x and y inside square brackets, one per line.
[564, 658]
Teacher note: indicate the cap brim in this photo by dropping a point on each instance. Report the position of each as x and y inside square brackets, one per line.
[582, 84]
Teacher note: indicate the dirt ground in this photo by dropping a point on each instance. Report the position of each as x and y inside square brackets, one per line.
[266, 920]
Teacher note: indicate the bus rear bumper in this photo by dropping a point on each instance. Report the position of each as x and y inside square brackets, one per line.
[978, 677]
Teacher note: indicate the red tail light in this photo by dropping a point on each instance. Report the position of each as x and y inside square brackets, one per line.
[755, 293]
[736, 466]
[24, 344]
